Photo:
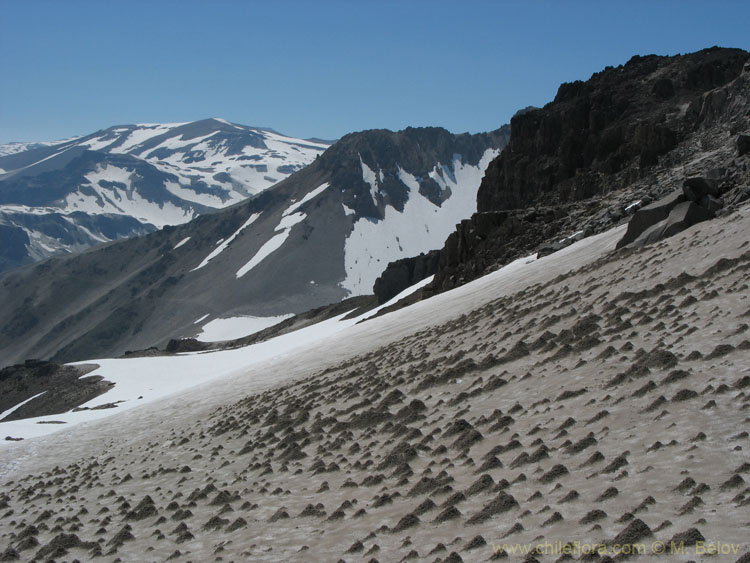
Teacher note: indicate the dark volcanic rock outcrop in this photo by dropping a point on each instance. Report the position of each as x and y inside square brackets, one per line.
[599, 127]
[49, 388]
[404, 273]
[684, 215]
[650, 215]
[620, 129]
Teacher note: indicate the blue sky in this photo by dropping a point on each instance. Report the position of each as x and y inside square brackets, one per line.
[323, 68]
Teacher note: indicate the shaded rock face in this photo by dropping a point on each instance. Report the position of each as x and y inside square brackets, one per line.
[598, 127]
[743, 145]
[404, 273]
[47, 387]
[415, 149]
[596, 139]
[476, 237]
[650, 215]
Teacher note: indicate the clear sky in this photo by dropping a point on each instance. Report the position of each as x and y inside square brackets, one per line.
[323, 68]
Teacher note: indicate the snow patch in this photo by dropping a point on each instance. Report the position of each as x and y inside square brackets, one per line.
[179, 244]
[224, 244]
[634, 206]
[125, 200]
[368, 175]
[274, 243]
[202, 318]
[313, 194]
[142, 134]
[237, 327]
[422, 226]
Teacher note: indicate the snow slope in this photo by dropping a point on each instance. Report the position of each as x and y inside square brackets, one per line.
[139, 381]
[236, 327]
[420, 227]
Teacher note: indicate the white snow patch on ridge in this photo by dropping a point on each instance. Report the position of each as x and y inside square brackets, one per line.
[202, 318]
[179, 244]
[125, 200]
[219, 249]
[422, 226]
[313, 194]
[237, 327]
[186, 194]
[142, 134]
[274, 243]
[368, 175]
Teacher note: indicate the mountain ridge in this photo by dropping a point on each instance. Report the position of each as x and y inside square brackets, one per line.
[629, 135]
[323, 234]
[156, 174]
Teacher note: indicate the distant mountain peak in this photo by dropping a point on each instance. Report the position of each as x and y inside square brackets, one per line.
[154, 173]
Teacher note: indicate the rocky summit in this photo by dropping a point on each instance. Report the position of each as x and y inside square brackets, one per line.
[603, 148]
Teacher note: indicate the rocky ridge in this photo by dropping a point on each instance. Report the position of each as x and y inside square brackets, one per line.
[587, 161]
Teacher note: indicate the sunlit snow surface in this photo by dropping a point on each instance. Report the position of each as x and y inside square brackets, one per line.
[236, 327]
[420, 227]
[122, 199]
[142, 380]
[156, 378]
[224, 244]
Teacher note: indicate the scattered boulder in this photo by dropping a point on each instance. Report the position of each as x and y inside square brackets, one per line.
[695, 189]
[682, 216]
[650, 215]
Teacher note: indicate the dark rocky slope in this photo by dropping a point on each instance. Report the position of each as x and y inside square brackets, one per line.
[47, 388]
[629, 133]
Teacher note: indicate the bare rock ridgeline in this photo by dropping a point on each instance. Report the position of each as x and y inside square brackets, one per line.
[632, 132]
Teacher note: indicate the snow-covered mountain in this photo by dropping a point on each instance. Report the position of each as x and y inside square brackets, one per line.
[133, 179]
[320, 236]
[7, 149]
